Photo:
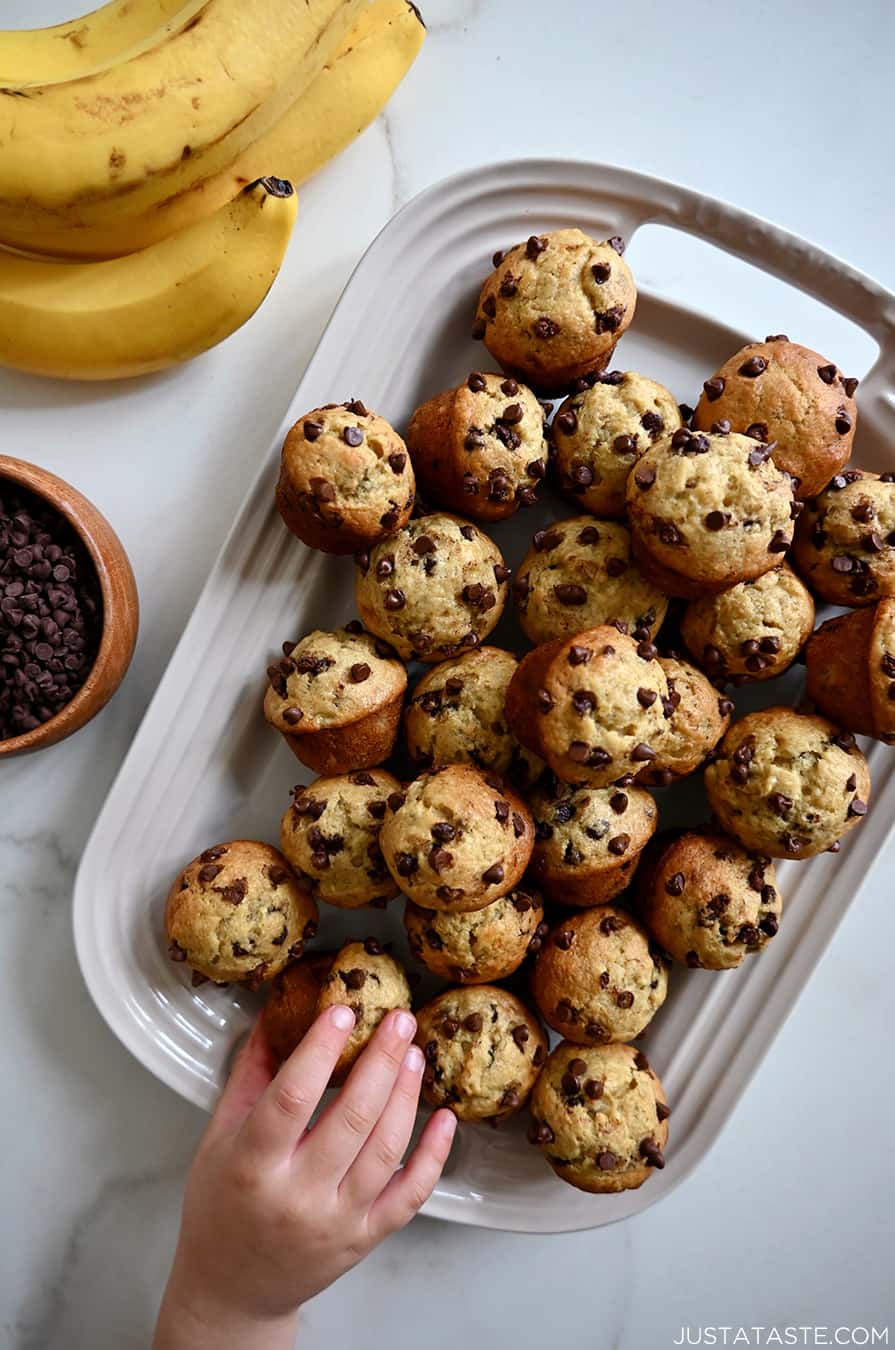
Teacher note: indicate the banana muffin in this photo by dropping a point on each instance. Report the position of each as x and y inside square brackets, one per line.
[554, 307]
[592, 706]
[696, 719]
[851, 670]
[362, 975]
[791, 397]
[478, 947]
[456, 716]
[753, 631]
[437, 588]
[457, 839]
[707, 901]
[598, 978]
[600, 432]
[484, 1051]
[345, 478]
[336, 698]
[707, 511]
[238, 914]
[599, 1116]
[330, 835]
[579, 573]
[588, 840]
[788, 784]
[480, 449]
[845, 539]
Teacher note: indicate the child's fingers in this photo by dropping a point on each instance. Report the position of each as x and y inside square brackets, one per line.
[410, 1188]
[344, 1128]
[252, 1070]
[283, 1113]
[383, 1151]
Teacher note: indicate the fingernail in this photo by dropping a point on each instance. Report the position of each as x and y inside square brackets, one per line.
[405, 1025]
[413, 1060]
[341, 1017]
[447, 1124]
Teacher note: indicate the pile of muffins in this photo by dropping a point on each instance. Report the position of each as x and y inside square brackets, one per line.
[510, 800]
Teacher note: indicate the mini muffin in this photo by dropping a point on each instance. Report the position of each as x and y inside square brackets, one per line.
[457, 839]
[434, 590]
[845, 539]
[479, 947]
[237, 914]
[554, 307]
[330, 834]
[598, 977]
[456, 716]
[708, 511]
[362, 976]
[337, 698]
[599, 1117]
[479, 449]
[753, 631]
[789, 396]
[600, 432]
[851, 670]
[588, 840]
[579, 573]
[591, 706]
[788, 784]
[369, 981]
[696, 719]
[707, 901]
[345, 479]
[483, 1049]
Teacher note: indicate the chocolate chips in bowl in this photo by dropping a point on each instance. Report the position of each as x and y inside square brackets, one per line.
[68, 609]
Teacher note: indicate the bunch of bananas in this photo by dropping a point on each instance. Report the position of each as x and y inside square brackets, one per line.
[148, 153]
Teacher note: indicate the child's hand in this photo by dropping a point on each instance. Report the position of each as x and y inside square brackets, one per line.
[274, 1212]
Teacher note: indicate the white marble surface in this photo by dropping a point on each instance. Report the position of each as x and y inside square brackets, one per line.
[782, 108]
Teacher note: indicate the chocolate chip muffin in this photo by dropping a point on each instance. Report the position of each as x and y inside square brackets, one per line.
[362, 976]
[484, 1051]
[598, 978]
[330, 835]
[588, 840]
[753, 631]
[592, 706]
[707, 901]
[345, 478]
[788, 784]
[554, 307]
[456, 716]
[366, 978]
[845, 539]
[790, 396]
[579, 573]
[851, 670]
[601, 431]
[336, 698]
[696, 719]
[707, 511]
[237, 914]
[599, 1116]
[480, 448]
[478, 947]
[434, 590]
[457, 839]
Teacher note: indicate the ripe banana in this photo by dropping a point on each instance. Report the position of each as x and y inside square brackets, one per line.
[168, 303]
[343, 99]
[69, 51]
[106, 148]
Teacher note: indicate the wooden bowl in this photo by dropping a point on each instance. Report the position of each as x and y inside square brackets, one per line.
[121, 610]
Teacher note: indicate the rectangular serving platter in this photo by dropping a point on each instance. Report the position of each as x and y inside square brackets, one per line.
[205, 767]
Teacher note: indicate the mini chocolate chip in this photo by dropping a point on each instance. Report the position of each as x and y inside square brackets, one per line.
[716, 520]
[476, 382]
[546, 327]
[714, 388]
[753, 366]
[473, 1022]
[647, 651]
[827, 373]
[397, 461]
[779, 803]
[644, 476]
[725, 707]
[856, 807]
[578, 655]
[624, 445]
[489, 306]
[652, 1153]
[354, 979]
[642, 753]
[843, 422]
[508, 286]
[360, 671]
[312, 429]
[646, 697]
[615, 241]
[779, 542]
[849, 385]
[494, 875]
[353, 436]
[512, 414]
[544, 701]
[210, 871]
[758, 430]
[478, 330]
[544, 541]
[601, 272]
[292, 716]
[606, 1161]
[676, 883]
[534, 246]
[395, 599]
[619, 844]
[569, 594]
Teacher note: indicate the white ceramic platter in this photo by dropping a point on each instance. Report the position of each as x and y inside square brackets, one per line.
[205, 767]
